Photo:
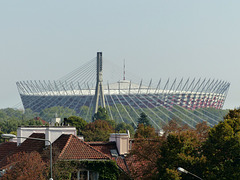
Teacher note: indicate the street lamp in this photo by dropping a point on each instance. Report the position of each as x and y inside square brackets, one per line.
[14, 136]
[180, 169]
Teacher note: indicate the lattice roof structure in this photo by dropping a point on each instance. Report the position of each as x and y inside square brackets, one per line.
[79, 89]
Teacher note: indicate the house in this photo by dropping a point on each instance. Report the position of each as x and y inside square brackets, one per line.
[90, 160]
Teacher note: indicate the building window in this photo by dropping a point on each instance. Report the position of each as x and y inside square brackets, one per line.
[85, 175]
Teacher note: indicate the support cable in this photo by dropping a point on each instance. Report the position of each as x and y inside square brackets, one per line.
[126, 111]
[106, 99]
[115, 105]
[89, 108]
[145, 113]
[69, 75]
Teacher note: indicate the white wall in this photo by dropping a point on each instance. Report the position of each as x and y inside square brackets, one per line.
[122, 142]
[51, 133]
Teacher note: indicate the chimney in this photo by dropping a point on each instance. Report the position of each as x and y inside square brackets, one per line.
[122, 142]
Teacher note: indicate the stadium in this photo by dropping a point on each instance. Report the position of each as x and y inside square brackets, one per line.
[124, 100]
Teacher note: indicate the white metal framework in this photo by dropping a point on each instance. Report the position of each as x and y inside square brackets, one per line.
[76, 90]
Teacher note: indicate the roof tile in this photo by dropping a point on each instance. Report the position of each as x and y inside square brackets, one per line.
[6, 148]
[75, 148]
[28, 145]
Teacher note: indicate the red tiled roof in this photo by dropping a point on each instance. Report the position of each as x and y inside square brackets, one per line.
[44, 122]
[28, 145]
[121, 162]
[41, 120]
[105, 148]
[6, 148]
[72, 147]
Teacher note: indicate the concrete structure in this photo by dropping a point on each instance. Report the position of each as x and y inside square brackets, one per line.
[99, 93]
[51, 132]
[122, 142]
[56, 121]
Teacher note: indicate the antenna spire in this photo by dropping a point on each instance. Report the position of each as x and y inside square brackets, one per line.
[124, 72]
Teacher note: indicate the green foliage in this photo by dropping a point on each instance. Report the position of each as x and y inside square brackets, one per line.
[212, 156]
[101, 114]
[145, 132]
[98, 130]
[118, 114]
[107, 170]
[123, 127]
[233, 114]
[10, 119]
[77, 122]
[85, 112]
[62, 112]
[171, 174]
[143, 119]
[222, 148]
[14, 132]
[34, 122]
[10, 125]
[180, 150]
[1, 139]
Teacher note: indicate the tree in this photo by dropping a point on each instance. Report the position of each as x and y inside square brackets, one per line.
[26, 166]
[174, 127]
[1, 139]
[62, 112]
[77, 122]
[233, 114]
[123, 127]
[202, 130]
[159, 157]
[142, 161]
[222, 148]
[83, 112]
[35, 122]
[143, 119]
[181, 149]
[101, 114]
[98, 130]
[145, 132]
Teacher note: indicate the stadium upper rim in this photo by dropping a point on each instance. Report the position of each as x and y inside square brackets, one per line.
[58, 88]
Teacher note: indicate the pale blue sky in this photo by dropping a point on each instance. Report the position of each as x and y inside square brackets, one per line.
[47, 39]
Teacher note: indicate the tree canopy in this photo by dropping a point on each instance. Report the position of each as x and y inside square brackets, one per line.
[101, 114]
[26, 166]
[222, 148]
[77, 122]
[123, 127]
[143, 119]
[210, 153]
[98, 130]
[145, 132]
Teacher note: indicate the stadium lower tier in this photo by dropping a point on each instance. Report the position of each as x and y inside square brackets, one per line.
[137, 101]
